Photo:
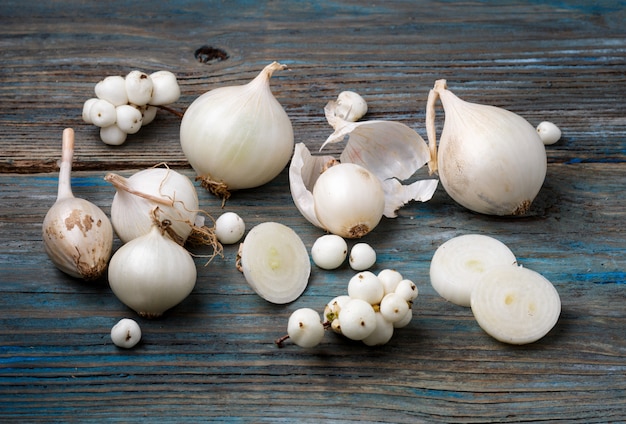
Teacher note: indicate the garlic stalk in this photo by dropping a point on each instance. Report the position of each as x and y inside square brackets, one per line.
[152, 273]
[137, 196]
[490, 160]
[237, 137]
[77, 234]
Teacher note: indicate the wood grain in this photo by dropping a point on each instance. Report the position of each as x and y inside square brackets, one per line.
[212, 358]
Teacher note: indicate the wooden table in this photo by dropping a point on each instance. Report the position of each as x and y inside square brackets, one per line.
[213, 357]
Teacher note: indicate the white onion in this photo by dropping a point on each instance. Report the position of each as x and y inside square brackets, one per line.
[490, 160]
[237, 137]
[137, 196]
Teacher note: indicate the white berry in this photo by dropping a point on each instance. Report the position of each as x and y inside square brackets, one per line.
[305, 328]
[229, 228]
[548, 132]
[102, 113]
[357, 319]
[381, 334]
[407, 289]
[128, 118]
[113, 90]
[87, 108]
[366, 286]
[329, 251]
[126, 333]
[362, 257]
[390, 279]
[165, 89]
[138, 88]
[112, 135]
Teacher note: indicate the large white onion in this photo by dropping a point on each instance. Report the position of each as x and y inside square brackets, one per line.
[237, 137]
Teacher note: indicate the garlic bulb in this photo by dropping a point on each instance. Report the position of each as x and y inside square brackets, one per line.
[237, 137]
[137, 196]
[152, 273]
[490, 160]
[77, 234]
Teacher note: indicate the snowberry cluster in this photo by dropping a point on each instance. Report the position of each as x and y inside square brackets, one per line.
[124, 104]
[374, 306]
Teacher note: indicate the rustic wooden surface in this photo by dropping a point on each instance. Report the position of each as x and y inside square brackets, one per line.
[212, 358]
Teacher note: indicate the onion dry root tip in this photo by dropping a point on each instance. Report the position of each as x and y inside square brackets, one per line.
[217, 188]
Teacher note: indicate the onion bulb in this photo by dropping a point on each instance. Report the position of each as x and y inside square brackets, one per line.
[490, 160]
[237, 137]
[152, 273]
[137, 196]
[275, 262]
[77, 235]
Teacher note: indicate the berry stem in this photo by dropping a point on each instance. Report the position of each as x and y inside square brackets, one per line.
[171, 110]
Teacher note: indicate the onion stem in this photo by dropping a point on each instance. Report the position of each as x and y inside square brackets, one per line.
[67, 156]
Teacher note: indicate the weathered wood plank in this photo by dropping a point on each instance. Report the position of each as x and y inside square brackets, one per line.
[216, 349]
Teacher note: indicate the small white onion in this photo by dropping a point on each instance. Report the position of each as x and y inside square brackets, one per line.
[349, 200]
[152, 273]
[275, 262]
[137, 196]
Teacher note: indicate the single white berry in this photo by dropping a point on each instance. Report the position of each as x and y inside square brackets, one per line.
[407, 289]
[128, 118]
[87, 108]
[112, 89]
[329, 251]
[548, 132]
[393, 307]
[390, 279]
[381, 334]
[126, 333]
[112, 135]
[102, 113]
[362, 257]
[305, 328]
[366, 286]
[138, 87]
[406, 319]
[229, 228]
[165, 89]
[333, 308]
[357, 319]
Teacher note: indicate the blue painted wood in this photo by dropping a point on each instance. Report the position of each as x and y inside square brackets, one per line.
[212, 358]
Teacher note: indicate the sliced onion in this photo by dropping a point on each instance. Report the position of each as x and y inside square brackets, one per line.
[275, 262]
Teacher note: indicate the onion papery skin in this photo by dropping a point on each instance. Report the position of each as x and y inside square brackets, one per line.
[490, 160]
[239, 136]
[137, 196]
[152, 273]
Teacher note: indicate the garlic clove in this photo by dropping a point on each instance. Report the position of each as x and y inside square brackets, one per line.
[489, 160]
[77, 235]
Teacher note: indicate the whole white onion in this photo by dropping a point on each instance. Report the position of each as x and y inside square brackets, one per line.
[237, 137]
